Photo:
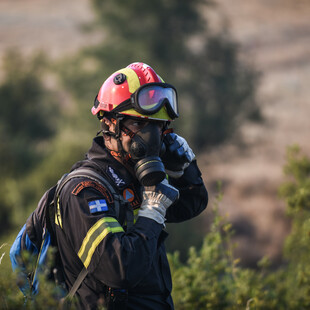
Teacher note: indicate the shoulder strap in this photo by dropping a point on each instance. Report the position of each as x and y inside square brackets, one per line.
[74, 288]
[91, 174]
[123, 214]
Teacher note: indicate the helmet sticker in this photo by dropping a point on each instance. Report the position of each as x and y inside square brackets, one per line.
[119, 79]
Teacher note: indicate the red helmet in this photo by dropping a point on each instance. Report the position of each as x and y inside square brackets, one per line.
[121, 87]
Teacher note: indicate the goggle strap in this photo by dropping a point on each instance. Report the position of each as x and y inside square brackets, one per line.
[125, 105]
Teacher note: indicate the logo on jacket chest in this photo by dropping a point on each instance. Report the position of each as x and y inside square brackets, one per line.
[115, 177]
[131, 196]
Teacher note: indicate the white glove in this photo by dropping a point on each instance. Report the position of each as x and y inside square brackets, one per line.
[157, 199]
[178, 155]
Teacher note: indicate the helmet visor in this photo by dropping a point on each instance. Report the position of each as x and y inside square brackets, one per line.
[150, 98]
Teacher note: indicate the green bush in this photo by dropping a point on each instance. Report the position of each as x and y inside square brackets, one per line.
[213, 279]
[28, 114]
[296, 192]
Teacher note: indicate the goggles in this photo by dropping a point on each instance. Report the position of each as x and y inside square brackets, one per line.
[150, 98]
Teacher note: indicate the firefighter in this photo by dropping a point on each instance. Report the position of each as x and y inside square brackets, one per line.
[154, 179]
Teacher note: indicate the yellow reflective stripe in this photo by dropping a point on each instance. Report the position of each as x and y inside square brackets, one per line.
[161, 115]
[95, 235]
[58, 220]
[132, 79]
[92, 230]
[135, 214]
[97, 241]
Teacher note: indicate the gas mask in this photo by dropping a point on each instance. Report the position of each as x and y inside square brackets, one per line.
[145, 150]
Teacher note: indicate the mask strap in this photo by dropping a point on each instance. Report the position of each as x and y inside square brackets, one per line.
[127, 131]
[119, 127]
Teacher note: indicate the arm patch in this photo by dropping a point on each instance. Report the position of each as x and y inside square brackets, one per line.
[94, 185]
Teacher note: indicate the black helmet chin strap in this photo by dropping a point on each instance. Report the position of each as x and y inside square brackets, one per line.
[125, 157]
[117, 136]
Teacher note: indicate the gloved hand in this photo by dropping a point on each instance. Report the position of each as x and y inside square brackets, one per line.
[157, 199]
[178, 155]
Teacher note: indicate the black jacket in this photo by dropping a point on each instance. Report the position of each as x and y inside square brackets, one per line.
[89, 234]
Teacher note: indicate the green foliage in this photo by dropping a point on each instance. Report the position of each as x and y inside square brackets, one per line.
[27, 121]
[11, 297]
[296, 192]
[27, 113]
[213, 279]
[40, 139]
[216, 90]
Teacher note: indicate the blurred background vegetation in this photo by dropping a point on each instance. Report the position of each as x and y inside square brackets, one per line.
[46, 125]
[43, 132]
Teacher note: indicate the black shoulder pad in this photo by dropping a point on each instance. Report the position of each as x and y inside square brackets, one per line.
[94, 185]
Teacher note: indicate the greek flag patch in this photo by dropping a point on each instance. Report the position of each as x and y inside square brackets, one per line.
[98, 206]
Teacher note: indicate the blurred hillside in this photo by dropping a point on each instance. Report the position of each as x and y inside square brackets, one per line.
[274, 35]
[52, 26]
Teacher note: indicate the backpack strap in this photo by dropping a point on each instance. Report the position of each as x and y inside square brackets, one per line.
[119, 201]
[91, 174]
[125, 213]
[64, 302]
